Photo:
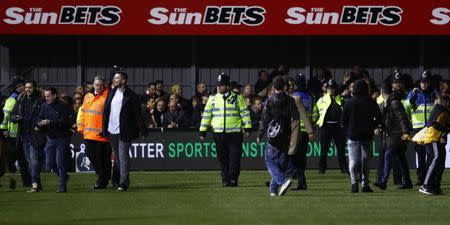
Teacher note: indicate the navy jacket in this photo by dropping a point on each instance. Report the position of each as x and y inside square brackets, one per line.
[61, 118]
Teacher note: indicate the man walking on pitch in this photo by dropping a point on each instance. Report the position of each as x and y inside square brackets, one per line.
[280, 110]
[227, 116]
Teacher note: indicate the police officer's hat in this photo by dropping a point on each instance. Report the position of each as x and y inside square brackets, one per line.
[397, 78]
[300, 79]
[332, 83]
[223, 79]
[426, 76]
[16, 81]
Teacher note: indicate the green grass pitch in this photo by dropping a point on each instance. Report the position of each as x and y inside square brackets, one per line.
[183, 198]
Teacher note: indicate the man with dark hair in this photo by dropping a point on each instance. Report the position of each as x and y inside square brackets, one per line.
[9, 130]
[280, 110]
[123, 123]
[159, 85]
[225, 113]
[262, 82]
[360, 117]
[396, 127]
[56, 119]
[26, 113]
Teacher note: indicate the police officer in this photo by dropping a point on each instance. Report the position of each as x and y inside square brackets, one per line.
[418, 105]
[227, 116]
[10, 130]
[327, 114]
[302, 97]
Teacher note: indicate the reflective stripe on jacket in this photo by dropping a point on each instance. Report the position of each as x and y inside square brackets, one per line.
[90, 116]
[225, 115]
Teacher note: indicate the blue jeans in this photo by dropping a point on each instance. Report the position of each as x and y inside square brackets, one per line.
[276, 162]
[55, 154]
[35, 158]
[359, 155]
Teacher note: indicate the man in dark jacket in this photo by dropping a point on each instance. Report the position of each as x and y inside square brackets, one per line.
[175, 117]
[396, 127]
[56, 119]
[279, 111]
[9, 130]
[26, 114]
[122, 122]
[361, 116]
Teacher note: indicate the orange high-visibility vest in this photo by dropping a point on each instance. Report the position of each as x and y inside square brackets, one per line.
[90, 116]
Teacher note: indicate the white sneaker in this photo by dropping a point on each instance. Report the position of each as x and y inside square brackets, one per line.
[34, 188]
[273, 195]
[284, 187]
[425, 191]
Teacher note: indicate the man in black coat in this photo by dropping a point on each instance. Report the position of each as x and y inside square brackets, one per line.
[175, 117]
[279, 111]
[396, 127]
[26, 113]
[123, 123]
[361, 116]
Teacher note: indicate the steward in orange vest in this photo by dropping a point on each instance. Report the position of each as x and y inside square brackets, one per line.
[89, 123]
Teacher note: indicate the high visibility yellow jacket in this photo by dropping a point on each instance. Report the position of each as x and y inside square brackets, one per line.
[90, 116]
[321, 107]
[227, 115]
[420, 109]
[11, 127]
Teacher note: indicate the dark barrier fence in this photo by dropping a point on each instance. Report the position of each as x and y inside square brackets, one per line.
[181, 149]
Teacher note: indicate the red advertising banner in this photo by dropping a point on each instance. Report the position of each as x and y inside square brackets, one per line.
[229, 17]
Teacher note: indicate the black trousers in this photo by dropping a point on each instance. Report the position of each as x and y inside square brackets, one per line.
[299, 159]
[15, 153]
[436, 165]
[330, 132]
[229, 152]
[99, 153]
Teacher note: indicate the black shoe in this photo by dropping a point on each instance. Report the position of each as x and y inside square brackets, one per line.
[406, 186]
[380, 185]
[98, 186]
[12, 183]
[267, 184]
[366, 189]
[321, 171]
[233, 183]
[300, 187]
[355, 188]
